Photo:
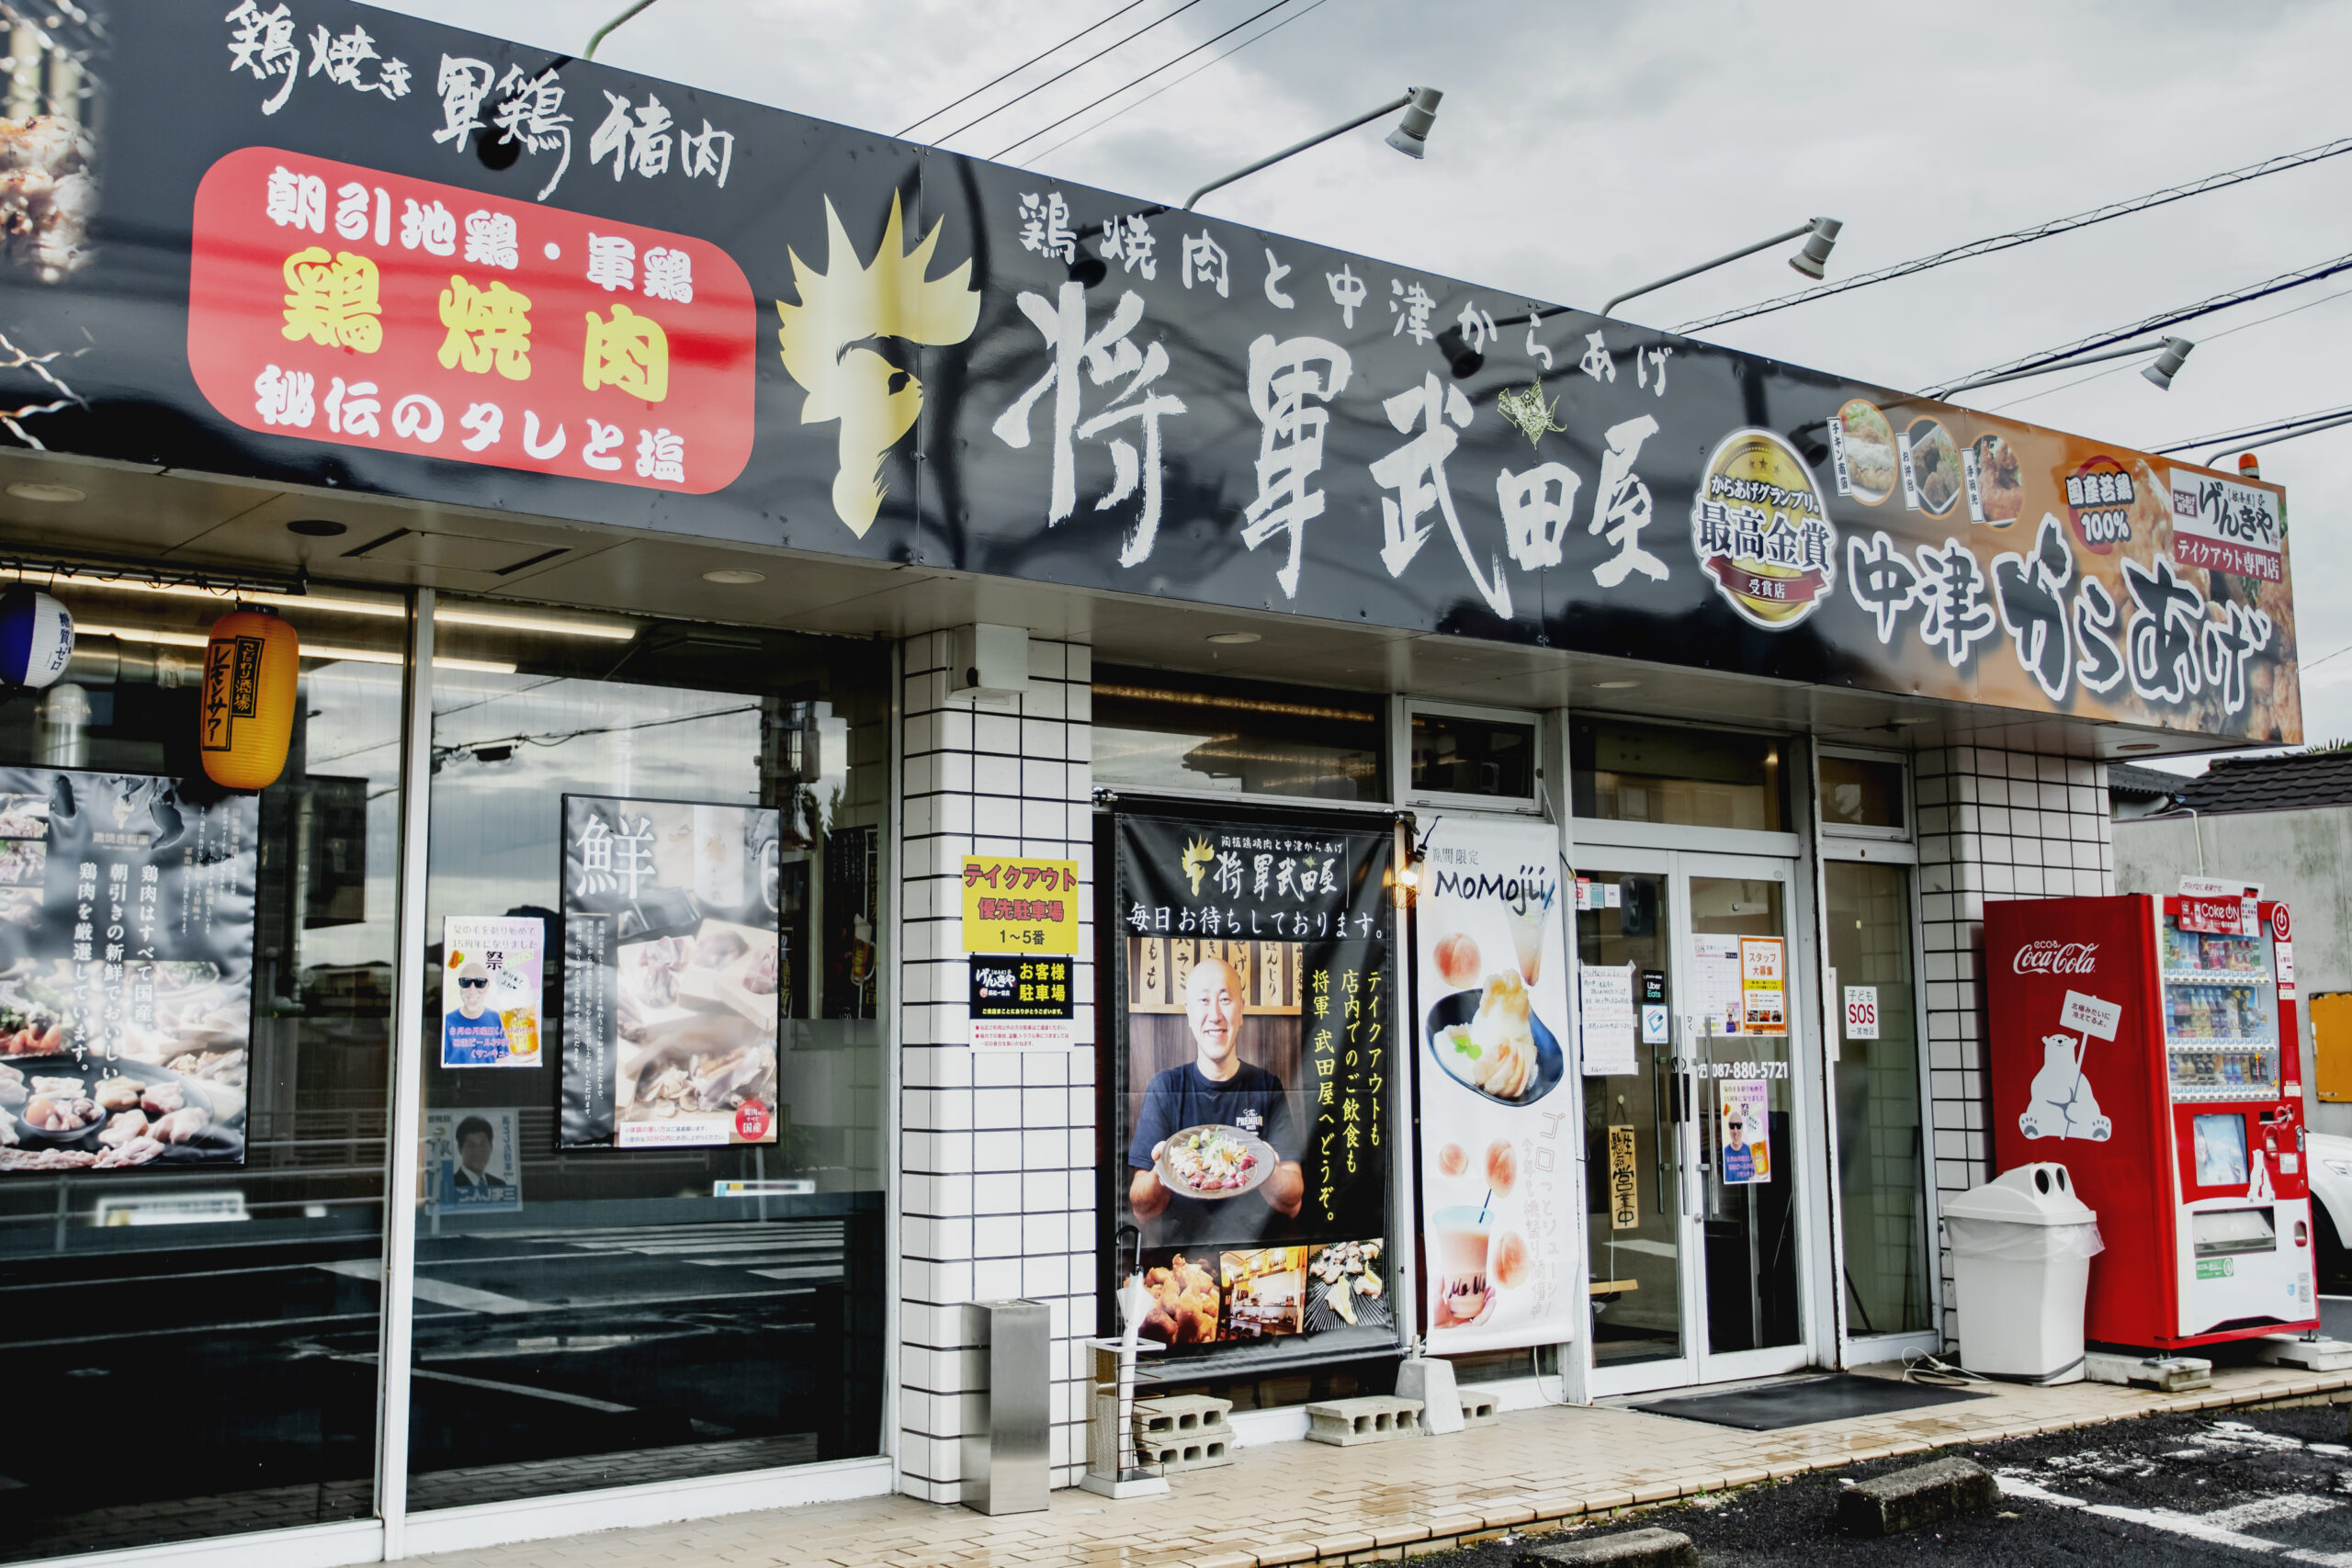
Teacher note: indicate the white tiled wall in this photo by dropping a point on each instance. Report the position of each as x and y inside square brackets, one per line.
[1997, 824]
[998, 1179]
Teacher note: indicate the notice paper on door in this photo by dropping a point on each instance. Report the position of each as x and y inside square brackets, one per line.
[1763, 984]
[1605, 1009]
[1746, 1120]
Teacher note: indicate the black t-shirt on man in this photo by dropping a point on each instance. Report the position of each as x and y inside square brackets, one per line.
[1252, 1099]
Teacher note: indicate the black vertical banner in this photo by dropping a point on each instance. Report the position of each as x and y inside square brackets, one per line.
[1255, 1027]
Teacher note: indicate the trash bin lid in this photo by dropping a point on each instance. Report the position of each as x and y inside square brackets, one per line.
[2038, 1194]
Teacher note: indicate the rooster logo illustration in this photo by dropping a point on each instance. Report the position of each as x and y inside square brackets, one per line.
[830, 340]
[1195, 861]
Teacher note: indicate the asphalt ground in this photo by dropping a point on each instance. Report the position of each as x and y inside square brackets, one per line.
[2223, 1488]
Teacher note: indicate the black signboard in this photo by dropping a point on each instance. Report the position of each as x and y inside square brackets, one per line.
[320, 244]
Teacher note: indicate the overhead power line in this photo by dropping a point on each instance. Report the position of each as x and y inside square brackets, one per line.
[2256, 433]
[1031, 92]
[1024, 65]
[2284, 281]
[2050, 230]
[1246, 21]
[1031, 161]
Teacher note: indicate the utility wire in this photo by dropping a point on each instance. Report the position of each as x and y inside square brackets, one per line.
[1032, 92]
[2279, 284]
[1024, 65]
[1031, 162]
[2050, 230]
[2232, 437]
[2212, 337]
[1147, 76]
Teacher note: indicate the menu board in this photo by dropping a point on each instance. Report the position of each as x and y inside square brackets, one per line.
[1259, 1031]
[126, 971]
[671, 972]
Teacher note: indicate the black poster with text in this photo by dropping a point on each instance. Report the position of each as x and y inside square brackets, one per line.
[1256, 1040]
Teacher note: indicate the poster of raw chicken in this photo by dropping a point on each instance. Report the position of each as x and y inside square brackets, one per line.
[125, 972]
[1498, 1145]
[671, 972]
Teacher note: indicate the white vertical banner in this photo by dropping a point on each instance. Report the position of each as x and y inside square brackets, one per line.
[1498, 1144]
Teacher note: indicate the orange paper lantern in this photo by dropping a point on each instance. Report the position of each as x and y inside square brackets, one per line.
[246, 713]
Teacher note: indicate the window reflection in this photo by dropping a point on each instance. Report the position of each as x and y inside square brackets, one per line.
[192, 1346]
[1152, 728]
[1629, 772]
[663, 1308]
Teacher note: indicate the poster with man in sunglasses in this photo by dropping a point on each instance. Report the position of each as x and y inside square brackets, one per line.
[490, 970]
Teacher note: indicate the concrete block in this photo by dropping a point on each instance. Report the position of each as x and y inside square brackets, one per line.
[1480, 1409]
[1924, 1495]
[1625, 1548]
[2312, 1355]
[2166, 1374]
[1429, 1380]
[1185, 1431]
[1373, 1418]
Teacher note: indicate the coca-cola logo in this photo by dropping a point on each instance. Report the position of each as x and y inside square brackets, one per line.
[2056, 958]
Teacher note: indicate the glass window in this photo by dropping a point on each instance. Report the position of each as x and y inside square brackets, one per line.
[1881, 1152]
[193, 1323]
[1860, 794]
[649, 1235]
[1153, 729]
[1629, 772]
[1452, 755]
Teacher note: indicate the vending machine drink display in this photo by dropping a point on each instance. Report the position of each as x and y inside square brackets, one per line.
[2149, 1046]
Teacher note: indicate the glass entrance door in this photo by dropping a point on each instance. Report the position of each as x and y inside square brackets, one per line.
[1695, 1219]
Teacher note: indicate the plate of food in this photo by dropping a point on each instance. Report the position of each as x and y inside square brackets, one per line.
[1211, 1161]
[1935, 465]
[2000, 481]
[1489, 1039]
[1870, 451]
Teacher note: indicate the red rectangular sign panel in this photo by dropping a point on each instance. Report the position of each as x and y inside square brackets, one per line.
[362, 308]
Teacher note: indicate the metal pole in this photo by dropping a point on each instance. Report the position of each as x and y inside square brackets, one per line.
[404, 1121]
[2124, 352]
[2292, 434]
[1296, 148]
[1798, 232]
[598, 37]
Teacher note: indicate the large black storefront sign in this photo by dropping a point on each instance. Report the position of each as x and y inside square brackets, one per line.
[329, 245]
[1255, 1046]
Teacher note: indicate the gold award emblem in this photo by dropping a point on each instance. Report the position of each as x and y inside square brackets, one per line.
[1761, 531]
[825, 338]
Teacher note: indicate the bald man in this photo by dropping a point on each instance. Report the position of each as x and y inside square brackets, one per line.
[471, 1033]
[1215, 1087]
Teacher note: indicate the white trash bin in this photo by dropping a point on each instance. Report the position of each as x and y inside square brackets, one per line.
[2021, 1251]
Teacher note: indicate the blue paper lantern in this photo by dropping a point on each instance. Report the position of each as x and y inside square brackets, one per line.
[36, 637]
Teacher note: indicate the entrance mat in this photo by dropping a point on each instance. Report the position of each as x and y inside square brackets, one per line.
[1802, 1401]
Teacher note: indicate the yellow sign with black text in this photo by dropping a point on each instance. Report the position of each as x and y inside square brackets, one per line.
[1014, 904]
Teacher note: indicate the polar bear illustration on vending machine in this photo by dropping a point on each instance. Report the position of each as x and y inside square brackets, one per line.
[2063, 1104]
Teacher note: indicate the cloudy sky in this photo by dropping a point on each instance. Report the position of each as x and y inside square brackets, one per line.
[1584, 148]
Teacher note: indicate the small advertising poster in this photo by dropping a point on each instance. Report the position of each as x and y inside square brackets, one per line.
[671, 972]
[1019, 904]
[1743, 1115]
[1257, 1038]
[1022, 1003]
[473, 1159]
[125, 972]
[491, 991]
[1498, 1159]
[1763, 986]
[1861, 1013]
[1712, 990]
[1606, 1021]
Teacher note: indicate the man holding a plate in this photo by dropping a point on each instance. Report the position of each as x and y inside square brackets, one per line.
[1215, 1090]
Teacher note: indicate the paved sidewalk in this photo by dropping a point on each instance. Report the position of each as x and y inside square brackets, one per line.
[1305, 1502]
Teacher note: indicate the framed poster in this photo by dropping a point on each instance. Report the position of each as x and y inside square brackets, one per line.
[126, 971]
[1257, 1034]
[672, 973]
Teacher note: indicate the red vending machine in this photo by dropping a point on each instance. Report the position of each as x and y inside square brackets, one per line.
[2139, 1042]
